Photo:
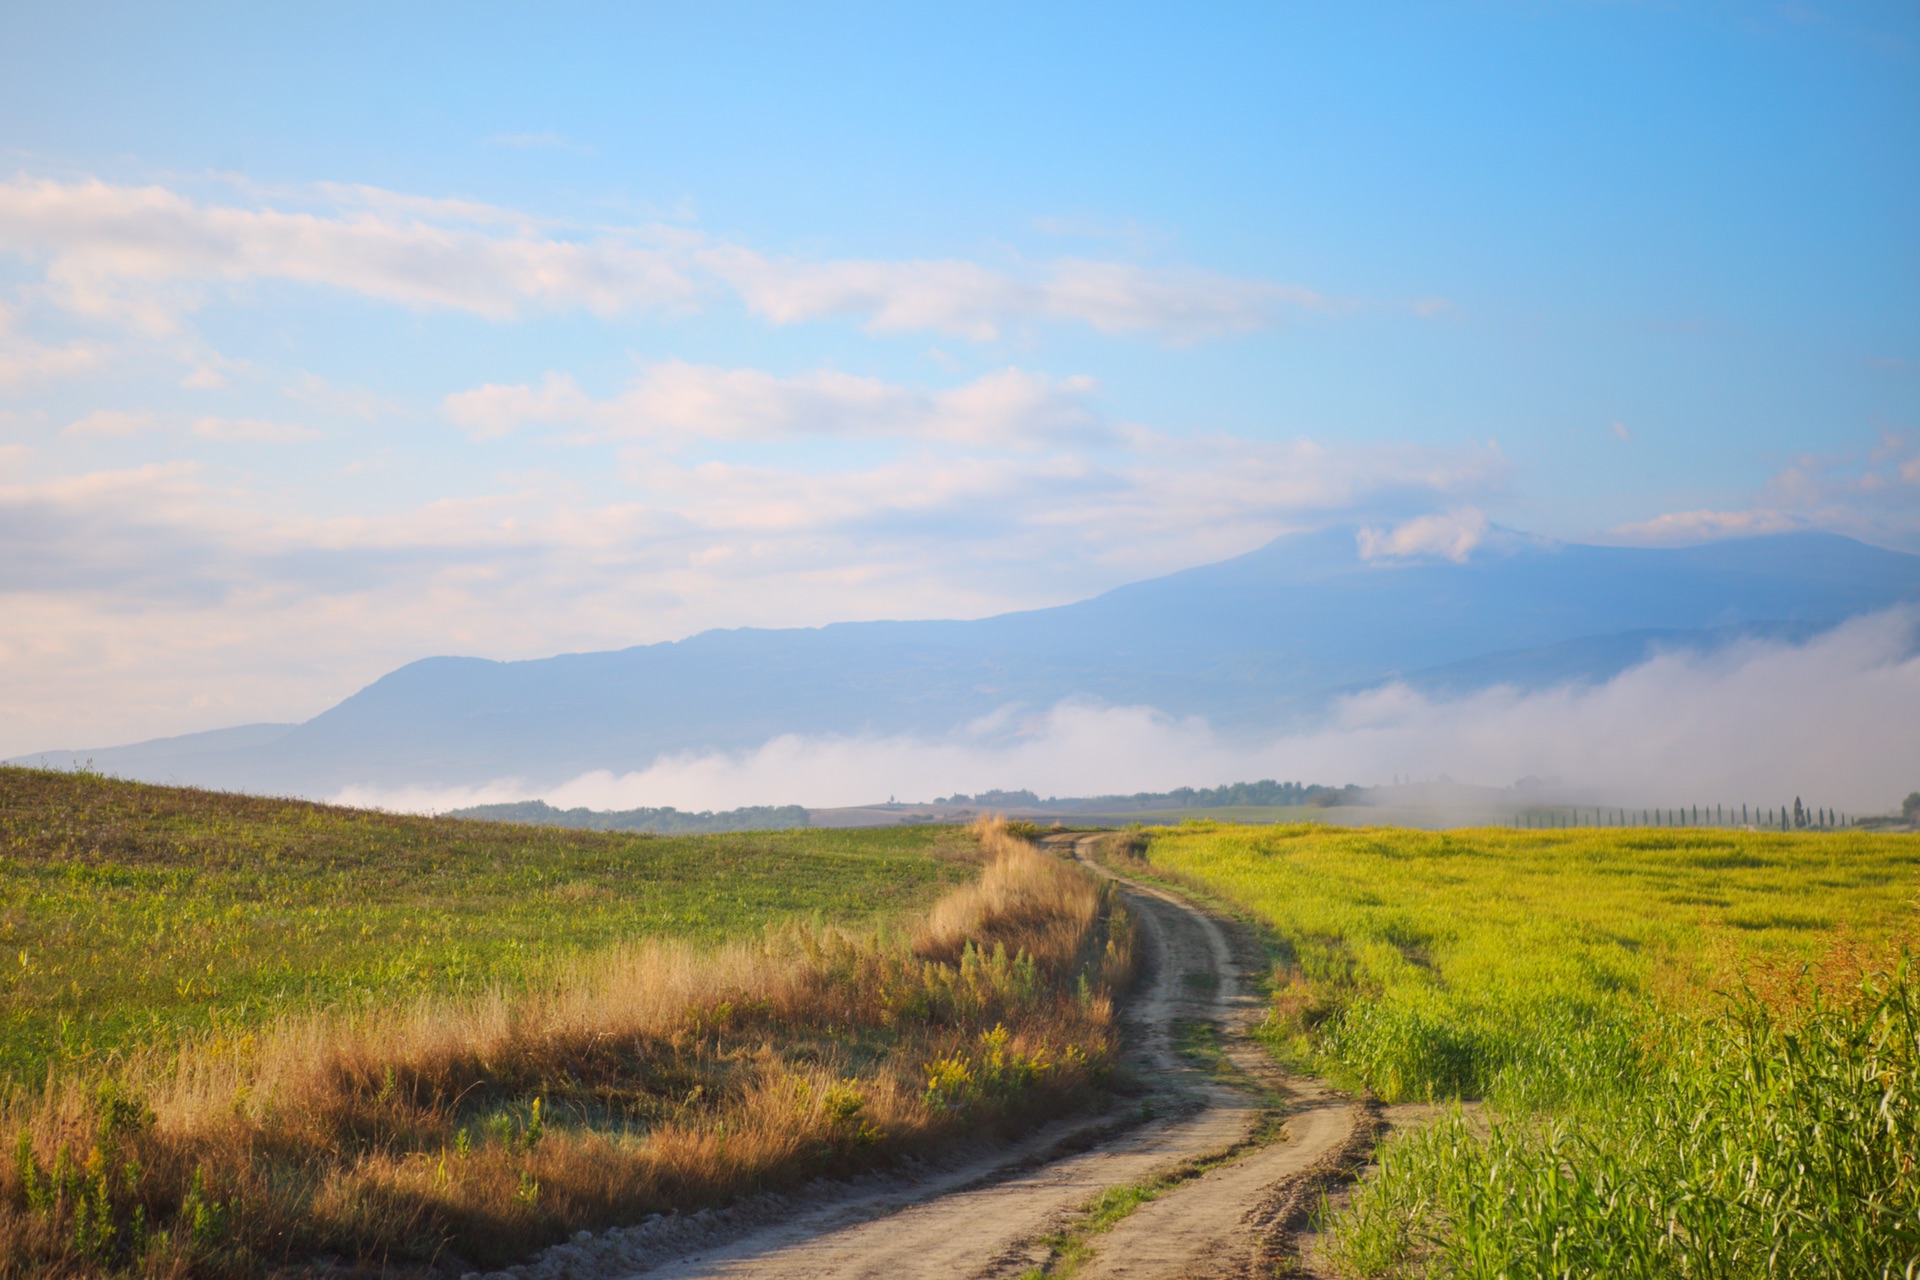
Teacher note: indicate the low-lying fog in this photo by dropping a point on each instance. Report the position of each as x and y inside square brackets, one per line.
[1836, 720]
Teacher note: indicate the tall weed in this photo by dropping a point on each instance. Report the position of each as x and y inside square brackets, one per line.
[1765, 1141]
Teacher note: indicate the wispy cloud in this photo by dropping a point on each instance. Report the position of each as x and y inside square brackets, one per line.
[675, 400]
[24, 361]
[120, 423]
[1871, 492]
[1676, 528]
[979, 302]
[143, 256]
[146, 256]
[111, 422]
[251, 430]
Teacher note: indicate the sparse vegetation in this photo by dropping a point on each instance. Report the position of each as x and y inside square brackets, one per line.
[1698, 1046]
[473, 1126]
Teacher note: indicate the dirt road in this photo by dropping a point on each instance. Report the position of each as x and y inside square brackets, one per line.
[994, 1217]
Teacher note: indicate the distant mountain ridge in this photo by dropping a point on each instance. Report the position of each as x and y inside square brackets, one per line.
[1252, 644]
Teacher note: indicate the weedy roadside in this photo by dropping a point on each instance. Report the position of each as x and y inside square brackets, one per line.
[471, 1131]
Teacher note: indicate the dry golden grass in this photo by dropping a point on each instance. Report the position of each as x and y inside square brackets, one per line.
[657, 1077]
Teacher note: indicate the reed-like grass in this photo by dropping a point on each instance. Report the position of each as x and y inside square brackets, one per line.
[660, 1076]
[1697, 1048]
[1761, 1141]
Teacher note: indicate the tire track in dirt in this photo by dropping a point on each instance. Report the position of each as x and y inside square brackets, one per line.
[988, 1218]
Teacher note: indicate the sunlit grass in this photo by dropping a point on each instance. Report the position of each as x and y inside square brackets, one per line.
[583, 1069]
[1699, 1045]
[133, 915]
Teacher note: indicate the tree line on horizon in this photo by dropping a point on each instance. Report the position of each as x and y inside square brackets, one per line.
[1801, 817]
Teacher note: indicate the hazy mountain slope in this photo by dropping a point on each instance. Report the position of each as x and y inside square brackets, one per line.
[1247, 643]
[159, 759]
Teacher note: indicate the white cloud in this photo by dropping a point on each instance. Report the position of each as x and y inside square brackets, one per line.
[1870, 492]
[252, 431]
[1117, 297]
[675, 400]
[494, 410]
[954, 297]
[1677, 528]
[121, 424]
[23, 361]
[977, 302]
[146, 256]
[1830, 722]
[111, 422]
[143, 255]
[1453, 536]
[342, 401]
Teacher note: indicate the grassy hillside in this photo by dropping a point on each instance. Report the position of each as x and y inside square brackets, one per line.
[286, 1032]
[132, 914]
[1698, 1046]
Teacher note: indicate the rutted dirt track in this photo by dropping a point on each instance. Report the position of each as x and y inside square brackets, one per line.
[990, 1218]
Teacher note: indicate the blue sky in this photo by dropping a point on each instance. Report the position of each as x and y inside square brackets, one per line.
[331, 337]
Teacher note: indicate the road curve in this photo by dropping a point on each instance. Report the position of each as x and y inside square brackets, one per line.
[990, 1218]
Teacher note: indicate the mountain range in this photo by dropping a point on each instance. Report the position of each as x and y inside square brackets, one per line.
[1252, 644]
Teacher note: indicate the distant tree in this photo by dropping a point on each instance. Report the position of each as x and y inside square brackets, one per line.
[1910, 807]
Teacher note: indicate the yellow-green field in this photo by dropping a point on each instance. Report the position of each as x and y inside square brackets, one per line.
[1698, 1046]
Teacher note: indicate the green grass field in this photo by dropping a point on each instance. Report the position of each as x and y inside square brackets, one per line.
[273, 1032]
[134, 915]
[1700, 1049]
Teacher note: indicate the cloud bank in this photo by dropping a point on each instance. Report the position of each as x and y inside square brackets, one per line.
[1831, 721]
